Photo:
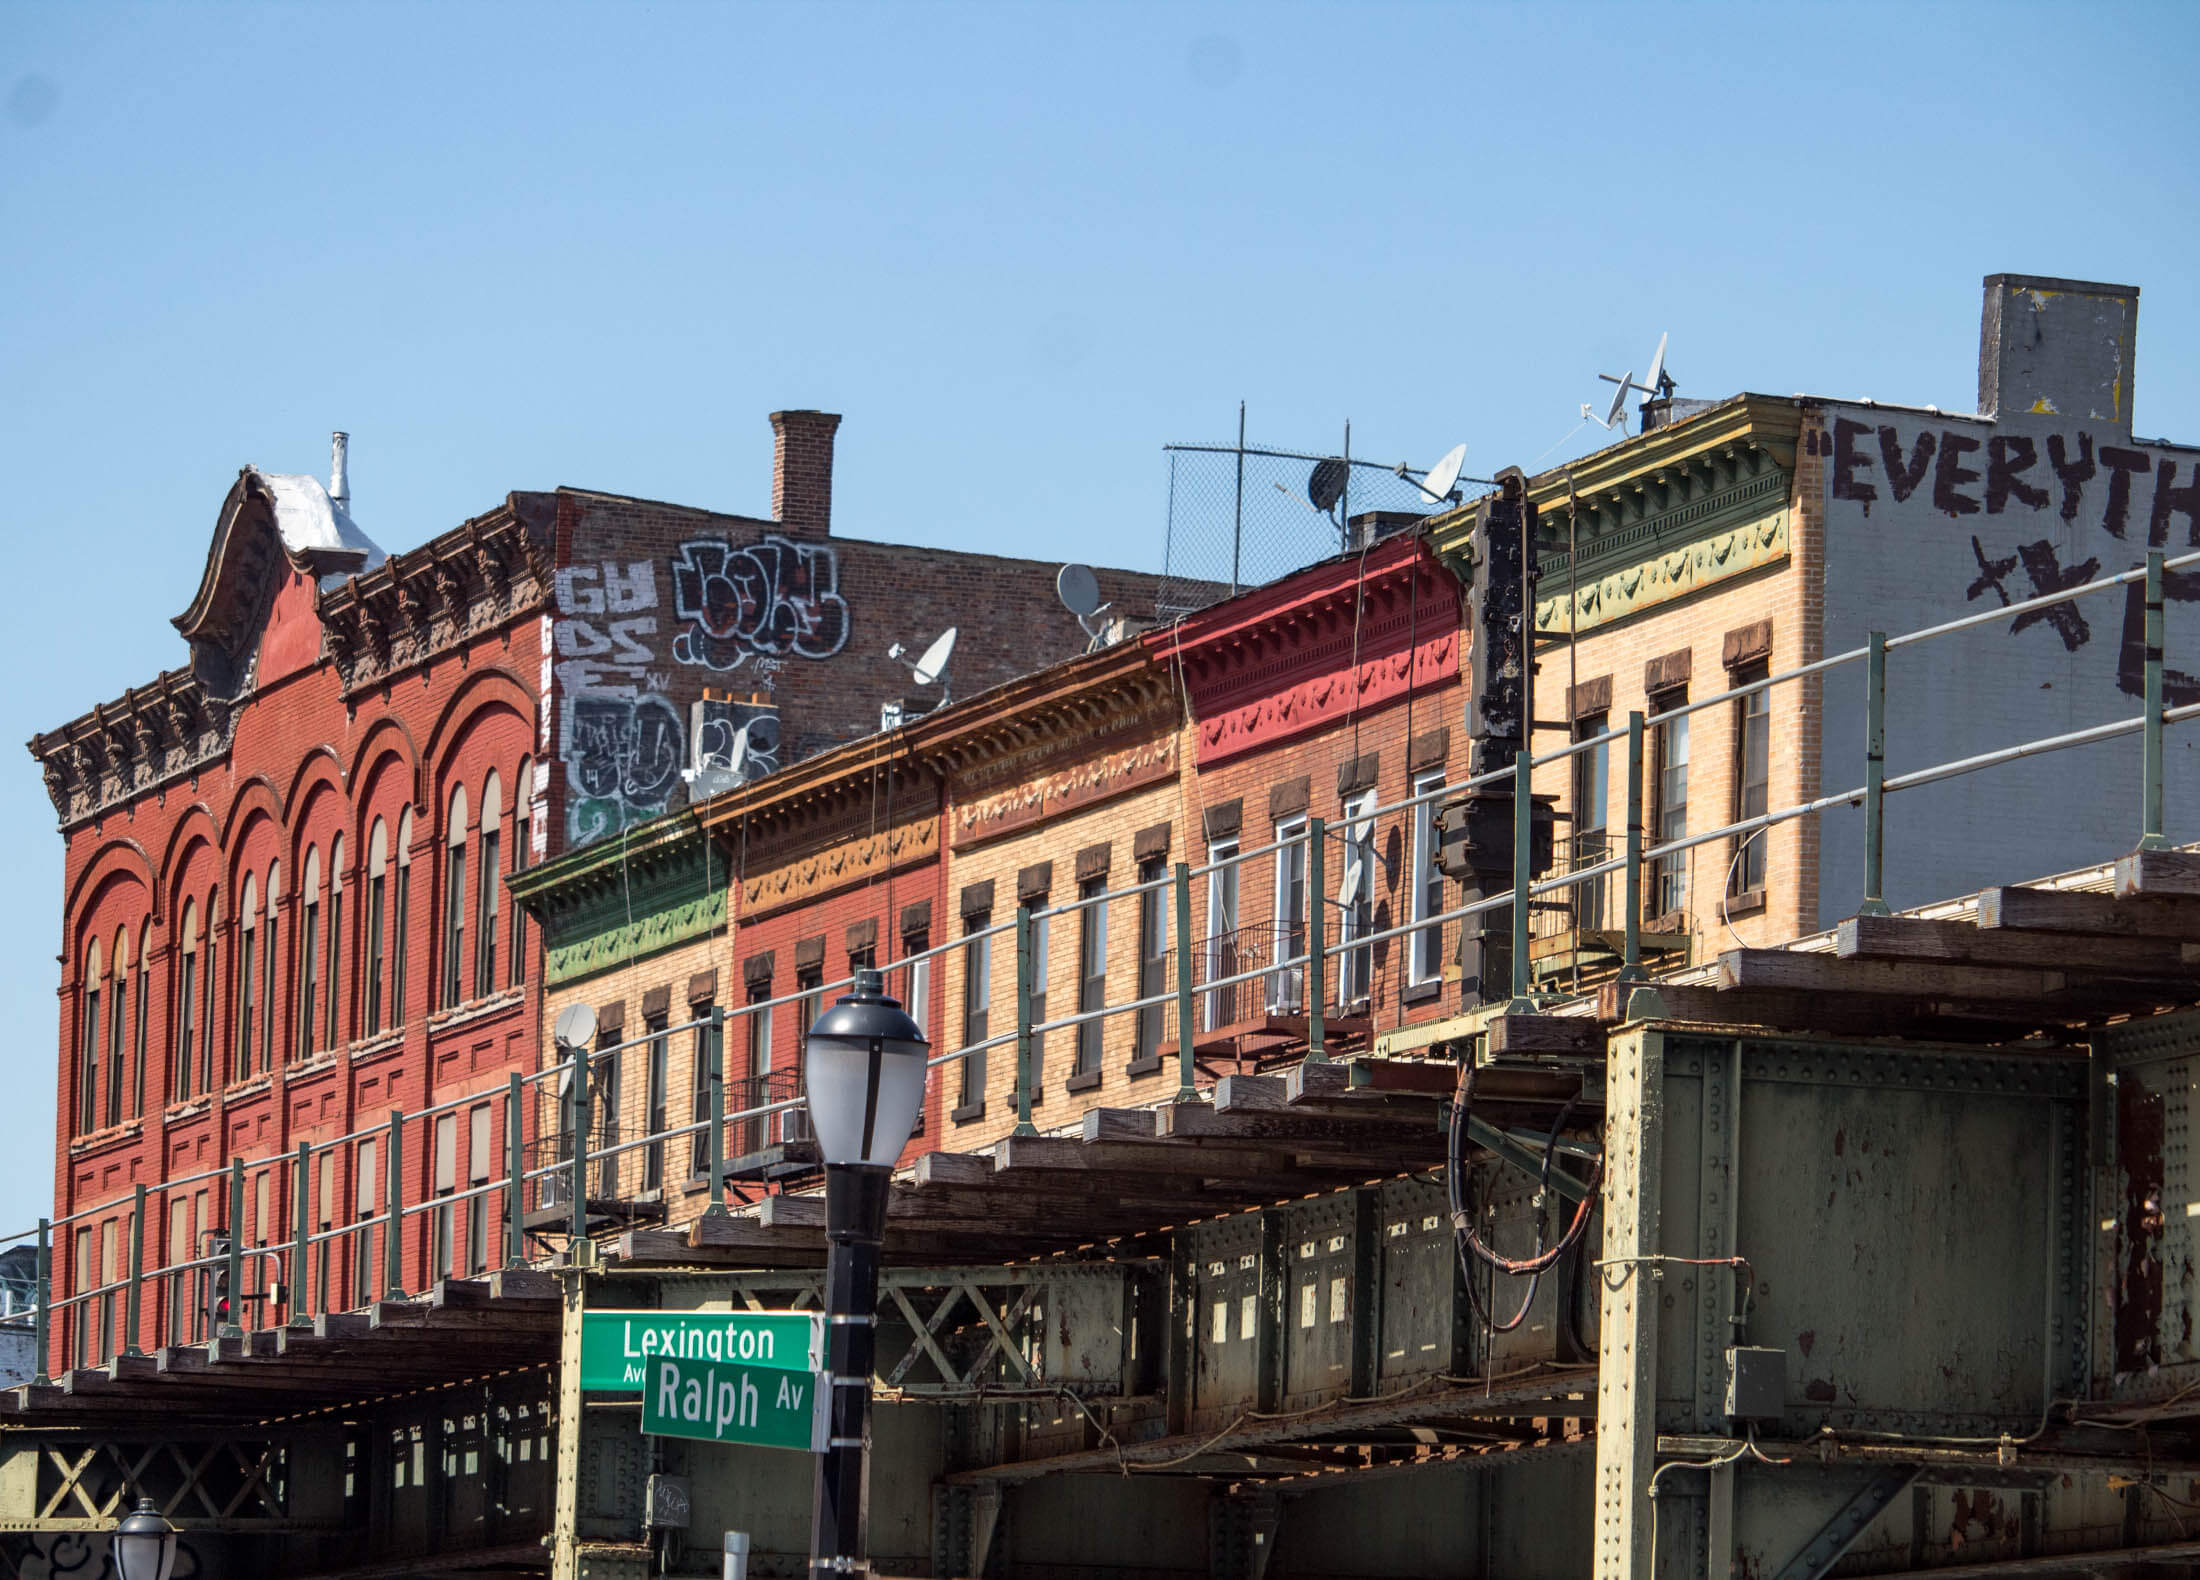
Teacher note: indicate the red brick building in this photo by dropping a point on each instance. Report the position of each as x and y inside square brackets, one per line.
[284, 912]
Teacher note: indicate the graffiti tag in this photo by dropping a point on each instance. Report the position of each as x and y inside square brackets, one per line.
[772, 597]
[622, 759]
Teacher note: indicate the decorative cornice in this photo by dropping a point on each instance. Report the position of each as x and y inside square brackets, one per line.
[1097, 775]
[662, 863]
[1674, 573]
[842, 865]
[154, 734]
[696, 917]
[1279, 712]
[413, 607]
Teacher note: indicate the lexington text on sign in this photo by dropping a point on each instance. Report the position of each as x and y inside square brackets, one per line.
[617, 1346]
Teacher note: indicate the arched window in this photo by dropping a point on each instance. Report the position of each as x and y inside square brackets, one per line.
[378, 860]
[144, 1014]
[454, 898]
[118, 1028]
[334, 952]
[87, 1080]
[180, 1083]
[490, 893]
[271, 1015]
[247, 996]
[523, 850]
[309, 955]
[401, 924]
[401, 927]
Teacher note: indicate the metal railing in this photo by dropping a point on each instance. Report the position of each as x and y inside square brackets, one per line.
[1358, 957]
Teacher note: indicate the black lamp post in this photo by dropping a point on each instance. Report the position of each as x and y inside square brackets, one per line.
[144, 1545]
[865, 1077]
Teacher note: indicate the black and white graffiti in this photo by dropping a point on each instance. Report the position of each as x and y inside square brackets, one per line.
[770, 598]
[734, 743]
[622, 761]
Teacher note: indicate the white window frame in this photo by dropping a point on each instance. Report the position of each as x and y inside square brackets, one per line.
[1287, 982]
[1355, 884]
[1222, 919]
[1425, 877]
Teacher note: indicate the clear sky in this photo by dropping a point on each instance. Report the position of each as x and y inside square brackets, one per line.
[1020, 247]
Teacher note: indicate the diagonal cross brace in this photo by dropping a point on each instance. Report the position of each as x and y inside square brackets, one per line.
[1835, 1537]
[926, 1333]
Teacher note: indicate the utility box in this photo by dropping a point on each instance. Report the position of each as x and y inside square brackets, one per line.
[1474, 833]
[1327, 1251]
[1230, 1333]
[1756, 1383]
[1425, 1325]
[665, 1503]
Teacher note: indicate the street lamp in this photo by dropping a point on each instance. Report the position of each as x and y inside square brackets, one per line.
[145, 1545]
[865, 1077]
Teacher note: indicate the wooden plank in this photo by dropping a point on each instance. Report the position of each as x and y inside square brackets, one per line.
[1792, 971]
[1378, 1136]
[1016, 1155]
[953, 1168]
[2058, 911]
[1834, 1014]
[1519, 1034]
[1960, 943]
[2168, 872]
[1308, 1081]
[1249, 1093]
[1119, 1124]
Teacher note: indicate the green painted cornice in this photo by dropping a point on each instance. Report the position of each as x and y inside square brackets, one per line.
[619, 943]
[1702, 475]
[661, 865]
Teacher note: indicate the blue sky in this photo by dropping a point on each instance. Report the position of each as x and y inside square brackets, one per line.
[1020, 247]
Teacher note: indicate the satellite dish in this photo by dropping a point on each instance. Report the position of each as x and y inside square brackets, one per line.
[1657, 368]
[1619, 399]
[1444, 474]
[1078, 589]
[934, 663]
[576, 1027]
[1325, 484]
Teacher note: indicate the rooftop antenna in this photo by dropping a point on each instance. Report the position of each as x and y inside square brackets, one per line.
[1079, 591]
[930, 665]
[1437, 485]
[574, 1031]
[1660, 387]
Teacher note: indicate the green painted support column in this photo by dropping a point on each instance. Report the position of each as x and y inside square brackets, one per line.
[1875, 777]
[515, 1173]
[130, 1301]
[1187, 1088]
[1523, 841]
[577, 1178]
[714, 1081]
[1317, 867]
[233, 1329]
[1024, 1126]
[42, 1297]
[2151, 835]
[393, 1230]
[1631, 960]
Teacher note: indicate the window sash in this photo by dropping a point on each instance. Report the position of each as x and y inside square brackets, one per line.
[1425, 951]
[1287, 984]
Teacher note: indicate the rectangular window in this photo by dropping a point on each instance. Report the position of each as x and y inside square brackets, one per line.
[107, 1301]
[763, 1130]
[454, 923]
[1153, 958]
[400, 936]
[80, 1351]
[1591, 843]
[520, 836]
[1287, 983]
[179, 1281]
[335, 971]
[1222, 933]
[699, 1095]
[207, 1053]
[445, 1184]
[137, 1044]
[309, 979]
[374, 954]
[117, 1024]
[1092, 971]
[324, 1219]
[491, 900]
[794, 1123]
[603, 1091]
[977, 1006]
[260, 1208]
[916, 987]
[478, 1210]
[1356, 900]
[363, 1198]
[186, 1026]
[1669, 817]
[1425, 958]
[269, 1019]
[1752, 777]
[658, 1076]
[1042, 967]
[247, 1003]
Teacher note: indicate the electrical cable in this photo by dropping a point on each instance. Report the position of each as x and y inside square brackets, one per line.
[1544, 1259]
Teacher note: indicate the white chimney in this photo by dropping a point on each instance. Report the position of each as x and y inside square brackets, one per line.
[339, 481]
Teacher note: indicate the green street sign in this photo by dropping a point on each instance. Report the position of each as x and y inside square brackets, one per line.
[726, 1402]
[617, 1346]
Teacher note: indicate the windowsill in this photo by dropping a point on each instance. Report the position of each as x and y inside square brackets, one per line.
[187, 1108]
[250, 1086]
[109, 1136]
[1082, 1083]
[969, 1113]
[1750, 902]
[1149, 1065]
[320, 1064]
[378, 1046]
[1421, 992]
[475, 1009]
[1670, 922]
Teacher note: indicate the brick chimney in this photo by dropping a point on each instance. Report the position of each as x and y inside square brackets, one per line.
[802, 472]
[2060, 346]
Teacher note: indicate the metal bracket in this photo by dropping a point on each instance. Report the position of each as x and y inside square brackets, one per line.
[1835, 1537]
